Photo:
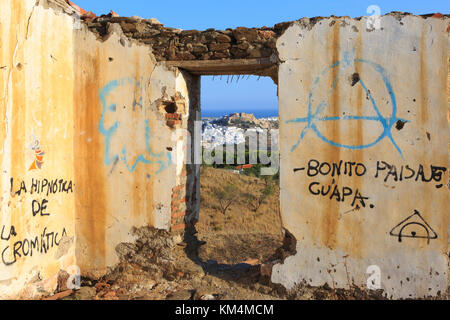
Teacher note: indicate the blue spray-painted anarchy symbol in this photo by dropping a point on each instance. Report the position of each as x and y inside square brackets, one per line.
[316, 116]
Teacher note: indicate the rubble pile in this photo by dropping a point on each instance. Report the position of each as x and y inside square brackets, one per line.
[151, 252]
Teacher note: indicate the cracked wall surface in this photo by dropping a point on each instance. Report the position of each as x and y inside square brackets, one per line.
[87, 152]
[124, 143]
[90, 108]
[36, 102]
[364, 168]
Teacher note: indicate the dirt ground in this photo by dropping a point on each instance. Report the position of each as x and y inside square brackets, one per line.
[241, 233]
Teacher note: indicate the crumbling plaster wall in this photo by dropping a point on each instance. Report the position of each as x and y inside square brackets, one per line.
[126, 157]
[95, 119]
[97, 111]
[36, 150]
[377, 99]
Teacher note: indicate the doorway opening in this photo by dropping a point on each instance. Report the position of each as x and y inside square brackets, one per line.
[239, 225]
[237, 235]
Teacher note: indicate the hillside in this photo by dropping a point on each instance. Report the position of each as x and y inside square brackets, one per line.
[246, 120]
[244, 232]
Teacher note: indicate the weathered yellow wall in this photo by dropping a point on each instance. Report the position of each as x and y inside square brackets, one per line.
[89, 115]
[125, 164]
[362, 96]
[96, 108]
[36, 103]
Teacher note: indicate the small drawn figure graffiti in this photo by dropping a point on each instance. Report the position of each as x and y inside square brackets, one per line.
[320, 103]
[414, 226]
[38, 154]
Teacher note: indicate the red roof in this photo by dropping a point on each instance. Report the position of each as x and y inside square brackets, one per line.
[86, 15]
[244, 166]
[73, 5]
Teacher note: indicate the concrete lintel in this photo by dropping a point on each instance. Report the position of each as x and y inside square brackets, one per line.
[224, 67]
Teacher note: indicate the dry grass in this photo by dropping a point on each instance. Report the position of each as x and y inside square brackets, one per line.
[241, 233]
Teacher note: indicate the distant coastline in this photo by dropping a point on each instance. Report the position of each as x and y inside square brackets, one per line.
[258, 113]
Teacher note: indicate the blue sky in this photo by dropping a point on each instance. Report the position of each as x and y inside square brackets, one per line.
[247, 95]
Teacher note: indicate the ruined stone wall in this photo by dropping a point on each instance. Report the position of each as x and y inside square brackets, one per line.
[364, 162]
[36, 154]
[127, 108]
[176, 44]
[89, 149]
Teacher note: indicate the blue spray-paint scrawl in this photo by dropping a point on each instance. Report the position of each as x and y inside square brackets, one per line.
[316, 115]
[108, 133]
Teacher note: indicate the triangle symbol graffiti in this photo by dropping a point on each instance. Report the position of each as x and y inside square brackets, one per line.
[413, 220]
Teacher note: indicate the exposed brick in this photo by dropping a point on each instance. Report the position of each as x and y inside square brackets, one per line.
[178, 214]
[177, 197]
[178, 201]
[178, 207]
[180, 187]
[173, 123]
[178, 194]
[178, 220]
[173, 116]
[179, 226]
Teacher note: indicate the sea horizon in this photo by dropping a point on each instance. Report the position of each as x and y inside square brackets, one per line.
[263, 113]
